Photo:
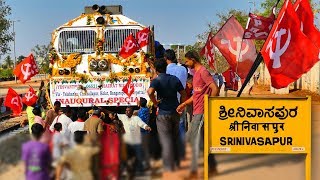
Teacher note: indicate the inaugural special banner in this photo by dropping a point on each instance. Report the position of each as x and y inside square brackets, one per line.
[104, 93]
[258, 126]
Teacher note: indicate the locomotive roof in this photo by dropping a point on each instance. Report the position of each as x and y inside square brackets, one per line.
[90, 21]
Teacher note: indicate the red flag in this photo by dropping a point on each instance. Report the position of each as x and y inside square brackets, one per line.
[129, 47]
[128, 88]
[13, 101]
[30, 98]
[229, 41]
[208, 51]
[258, 27]
[231, 80]
[287, 52]
[26, 69]
[143, 37]
[305, 14]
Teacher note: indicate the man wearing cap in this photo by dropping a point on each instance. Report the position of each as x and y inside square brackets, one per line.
[93, 125]
[94, 128]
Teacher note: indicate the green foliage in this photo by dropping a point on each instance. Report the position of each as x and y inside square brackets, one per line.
[40, 53]
[20, 58]
[8, 62]
[241, 16]
[221, 64]
[267, 7]
[6, 73]
[5, 36]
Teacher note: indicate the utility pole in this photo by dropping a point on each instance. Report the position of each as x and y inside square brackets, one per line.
[14, 47]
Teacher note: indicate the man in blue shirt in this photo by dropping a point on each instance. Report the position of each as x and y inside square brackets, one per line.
[168, 119]
[181, 73]
[176, 70]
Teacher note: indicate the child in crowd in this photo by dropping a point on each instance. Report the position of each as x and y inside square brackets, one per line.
[36, 155]
[59, 142]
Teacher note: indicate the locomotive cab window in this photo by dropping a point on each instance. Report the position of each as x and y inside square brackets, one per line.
[114, 39]
[78, 41]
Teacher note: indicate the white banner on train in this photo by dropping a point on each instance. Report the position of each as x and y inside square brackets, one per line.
[110, 94]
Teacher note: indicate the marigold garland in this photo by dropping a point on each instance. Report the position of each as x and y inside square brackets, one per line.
[71, 61]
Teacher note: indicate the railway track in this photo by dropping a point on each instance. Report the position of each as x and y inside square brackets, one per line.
[10, 132]
[5, 116]
[10, 125]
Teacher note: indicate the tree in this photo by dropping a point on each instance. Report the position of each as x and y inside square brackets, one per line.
[6, 73]
[40, 53]
[3, 66]
[5, 36]
[20, 58]
[241, 16]
[8, 62]
[221, 63]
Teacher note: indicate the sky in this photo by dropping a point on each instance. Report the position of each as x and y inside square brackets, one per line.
[175, 21]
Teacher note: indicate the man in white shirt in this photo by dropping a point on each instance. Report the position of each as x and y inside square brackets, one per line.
[64, 120]
[132, 137]
[79, 123]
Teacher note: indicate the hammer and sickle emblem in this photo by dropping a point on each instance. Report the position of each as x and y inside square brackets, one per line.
[15, 101]
[29, 96]
[26, 71]
[278, 51]
[142, 37]
[129, 45]
[207, 50]
[130, 86]
[236, 51]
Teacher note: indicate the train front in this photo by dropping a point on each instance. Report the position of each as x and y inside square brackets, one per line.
[85, 65]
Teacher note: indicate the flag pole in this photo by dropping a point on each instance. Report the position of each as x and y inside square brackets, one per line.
[254, 67]
[257, 61]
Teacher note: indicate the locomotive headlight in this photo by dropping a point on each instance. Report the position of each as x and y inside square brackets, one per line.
[93, 64]
[137, 70]
[61, 72]
[66, 71]
[103, 64]
[131, 70]
[100, 20]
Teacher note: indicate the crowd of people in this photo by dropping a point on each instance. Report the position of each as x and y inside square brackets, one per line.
[102, 144]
